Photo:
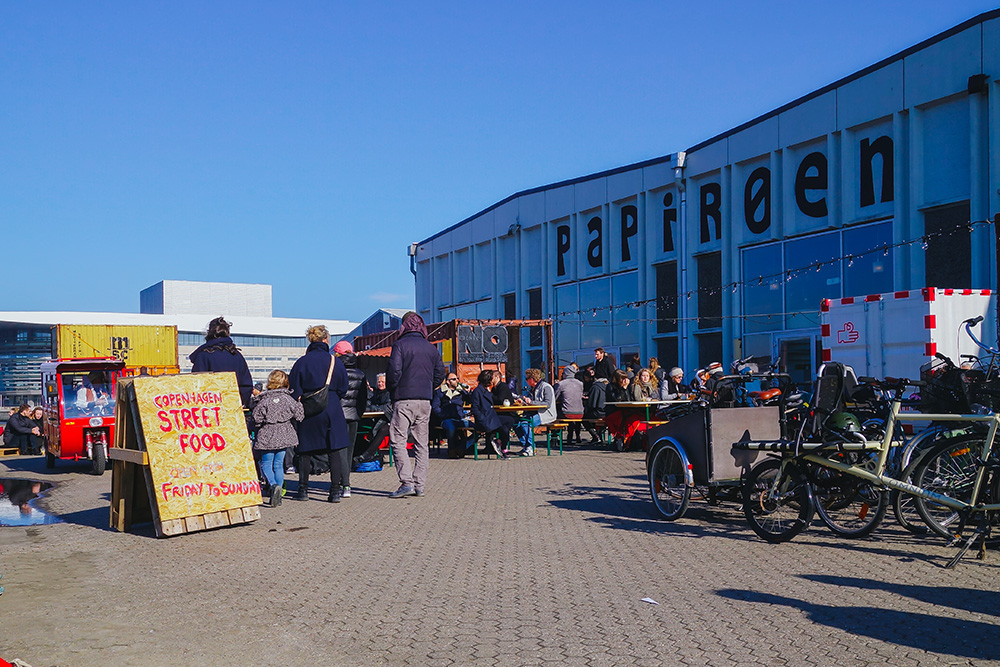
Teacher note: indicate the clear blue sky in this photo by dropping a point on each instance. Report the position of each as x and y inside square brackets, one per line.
[306, 144]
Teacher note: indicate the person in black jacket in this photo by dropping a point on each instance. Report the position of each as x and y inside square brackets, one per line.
[594, 408]
[448, 410]
[604, 365]
[324, 433]
[415, 369]
[487, 419]
[355, 404]
[22, 428]
[220, 355]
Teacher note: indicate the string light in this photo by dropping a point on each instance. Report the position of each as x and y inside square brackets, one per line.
[785, 276]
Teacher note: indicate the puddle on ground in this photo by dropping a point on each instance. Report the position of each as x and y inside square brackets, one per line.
[17, 507]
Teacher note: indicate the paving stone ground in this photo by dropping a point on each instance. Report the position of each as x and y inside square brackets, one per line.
[525, 562]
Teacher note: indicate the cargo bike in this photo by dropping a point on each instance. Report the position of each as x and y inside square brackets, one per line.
[692, 454]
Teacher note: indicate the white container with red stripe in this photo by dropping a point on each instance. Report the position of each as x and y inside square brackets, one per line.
[882, 335]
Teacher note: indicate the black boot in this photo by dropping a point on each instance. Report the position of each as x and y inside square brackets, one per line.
[303, 492]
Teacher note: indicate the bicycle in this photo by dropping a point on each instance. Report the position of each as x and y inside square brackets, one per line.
[960, 473]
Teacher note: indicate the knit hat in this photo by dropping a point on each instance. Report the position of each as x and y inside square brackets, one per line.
[676, 372]
[343, 347]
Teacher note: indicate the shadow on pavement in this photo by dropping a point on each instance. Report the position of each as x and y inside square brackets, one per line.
[936, 634]
[967, 599]
[627, 506]
[36, 466]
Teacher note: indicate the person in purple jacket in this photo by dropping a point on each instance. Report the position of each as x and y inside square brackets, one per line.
[415, 370]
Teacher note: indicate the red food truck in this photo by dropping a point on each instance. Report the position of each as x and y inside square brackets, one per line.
[79, 403]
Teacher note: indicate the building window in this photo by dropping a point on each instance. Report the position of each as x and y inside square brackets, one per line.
[866, 269]
[709, 348]
[667, 297]
[813, 276]
[667, 352]
[595, 320]
[948, 258]
[625, 290]
[535, 313]
[509, 307]
[710, 290]
[567, 326]
[762, 289]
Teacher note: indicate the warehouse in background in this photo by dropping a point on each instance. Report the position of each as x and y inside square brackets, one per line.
[26, 338]
[870, 185]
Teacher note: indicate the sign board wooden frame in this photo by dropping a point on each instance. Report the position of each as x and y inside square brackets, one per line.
[182, 456]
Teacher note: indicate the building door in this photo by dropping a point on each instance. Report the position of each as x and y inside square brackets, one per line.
[798, 355]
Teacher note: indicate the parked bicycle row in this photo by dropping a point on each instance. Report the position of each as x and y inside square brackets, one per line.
[924, 447]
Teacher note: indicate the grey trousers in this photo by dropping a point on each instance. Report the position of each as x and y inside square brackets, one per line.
[410, 416]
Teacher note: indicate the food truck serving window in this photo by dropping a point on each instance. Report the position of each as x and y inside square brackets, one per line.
[87, 395]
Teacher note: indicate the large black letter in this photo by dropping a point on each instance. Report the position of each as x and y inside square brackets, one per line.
[882, 147]
[711, 210]
[817, 181]
[562, 245]
[630, 227]
[669, 217]
[752, 201]
[595, 251]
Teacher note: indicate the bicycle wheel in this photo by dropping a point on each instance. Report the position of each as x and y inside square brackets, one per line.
[904, 505]
[667, 483]
[777, 503]
[849, 506]
[949, 468]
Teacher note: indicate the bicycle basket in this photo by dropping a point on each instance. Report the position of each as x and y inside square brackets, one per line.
[944, 390]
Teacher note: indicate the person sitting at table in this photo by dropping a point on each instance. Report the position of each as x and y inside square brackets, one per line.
[541, 394]
[569, 402]
[379, 400]
[644, 388]
[622, 424]
[502, 395]
[448, 409]
[488, 421]
[674, 387]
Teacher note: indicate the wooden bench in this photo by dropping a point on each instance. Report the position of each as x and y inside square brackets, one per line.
[9, 451]
[553, 429]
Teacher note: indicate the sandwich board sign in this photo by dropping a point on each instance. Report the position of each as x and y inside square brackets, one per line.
[186, 436]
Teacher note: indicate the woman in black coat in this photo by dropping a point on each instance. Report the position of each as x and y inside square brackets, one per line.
[355, 404]
[326, 432]
[487, 419]
[220, 355]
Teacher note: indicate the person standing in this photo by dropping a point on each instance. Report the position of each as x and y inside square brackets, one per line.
[415, 369]
[604, 365]
[326, 432]
[355, 404]
[219, 355]
[273, 414]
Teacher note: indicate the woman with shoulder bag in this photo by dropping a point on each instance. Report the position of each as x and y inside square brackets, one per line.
[319, 381]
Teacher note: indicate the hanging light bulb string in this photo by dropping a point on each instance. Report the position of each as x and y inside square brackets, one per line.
[769, 279]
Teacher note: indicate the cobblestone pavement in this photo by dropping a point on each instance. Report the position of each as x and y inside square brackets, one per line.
[524, 562]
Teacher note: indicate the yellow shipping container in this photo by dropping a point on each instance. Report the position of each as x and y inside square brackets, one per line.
[137, 345]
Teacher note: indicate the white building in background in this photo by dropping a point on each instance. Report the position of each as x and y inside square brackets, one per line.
[179, 297]
[267, 343]
[875, 183]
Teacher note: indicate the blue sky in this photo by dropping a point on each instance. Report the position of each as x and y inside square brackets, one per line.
[306, 144]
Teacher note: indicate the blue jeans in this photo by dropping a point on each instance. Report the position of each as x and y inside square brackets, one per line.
[272, 464]
[525, 429]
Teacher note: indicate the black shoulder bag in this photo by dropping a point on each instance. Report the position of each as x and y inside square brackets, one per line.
[315, 402]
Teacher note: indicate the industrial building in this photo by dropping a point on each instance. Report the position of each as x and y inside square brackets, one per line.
[881, 181]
